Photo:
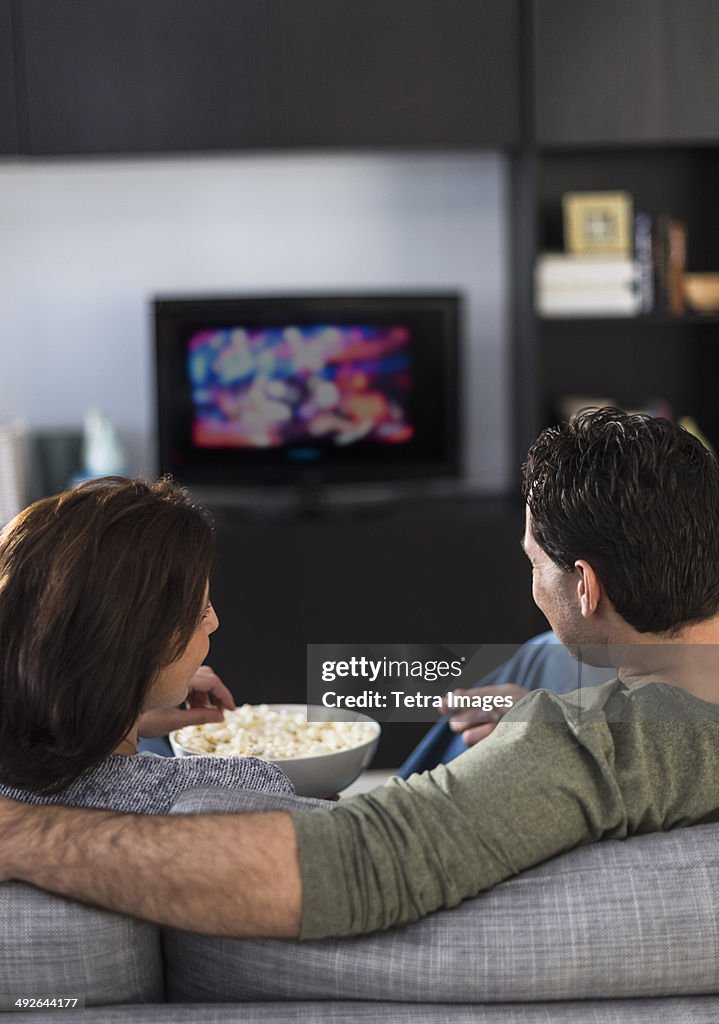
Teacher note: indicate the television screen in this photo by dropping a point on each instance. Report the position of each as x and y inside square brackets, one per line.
[269, 387]
[274, 388]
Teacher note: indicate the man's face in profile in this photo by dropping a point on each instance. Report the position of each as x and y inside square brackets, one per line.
[555, 593]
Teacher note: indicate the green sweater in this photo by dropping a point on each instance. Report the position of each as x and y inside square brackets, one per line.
[606, 762]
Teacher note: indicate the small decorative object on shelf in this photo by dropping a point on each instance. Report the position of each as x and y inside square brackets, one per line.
[569, 405]
[690, 424]
[102, 453]
[598, 222]
[701, 292]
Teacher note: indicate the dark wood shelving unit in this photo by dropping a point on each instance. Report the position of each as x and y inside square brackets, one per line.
[635, 359]
[590, 126]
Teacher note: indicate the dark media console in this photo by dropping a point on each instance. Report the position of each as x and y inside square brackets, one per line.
[441, 569]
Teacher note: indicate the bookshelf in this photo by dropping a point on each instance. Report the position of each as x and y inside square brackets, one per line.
[581, 135]
[644, 359]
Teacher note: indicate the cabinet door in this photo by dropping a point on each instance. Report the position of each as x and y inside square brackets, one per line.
[396, 72]
[627, 71]
[146, 75]
[8, 109]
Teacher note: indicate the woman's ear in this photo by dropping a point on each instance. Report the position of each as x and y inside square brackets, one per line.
[589, 588]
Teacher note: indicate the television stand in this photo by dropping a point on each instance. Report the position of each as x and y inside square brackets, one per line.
[312, 497]
[315, 500]
[418, 570]
[311, 500]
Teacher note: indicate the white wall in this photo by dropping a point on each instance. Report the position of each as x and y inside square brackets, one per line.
[84, 245]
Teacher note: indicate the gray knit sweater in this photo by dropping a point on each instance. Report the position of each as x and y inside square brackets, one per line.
[149, 785]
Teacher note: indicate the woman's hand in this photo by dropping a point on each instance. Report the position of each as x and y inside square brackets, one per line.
[476, 724]
[206, 701]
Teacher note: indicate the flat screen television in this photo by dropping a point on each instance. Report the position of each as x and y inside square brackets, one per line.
[290, 389]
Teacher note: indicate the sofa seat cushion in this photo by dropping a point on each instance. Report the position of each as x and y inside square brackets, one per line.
[50, 945]
[623, 919]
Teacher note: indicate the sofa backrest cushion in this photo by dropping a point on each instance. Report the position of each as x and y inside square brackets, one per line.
[53, 946]
[632, 918]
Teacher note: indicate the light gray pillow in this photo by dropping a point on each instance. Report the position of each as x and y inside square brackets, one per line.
[53, 946]
[632, 918]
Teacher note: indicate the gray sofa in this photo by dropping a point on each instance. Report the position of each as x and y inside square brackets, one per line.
[617, 932]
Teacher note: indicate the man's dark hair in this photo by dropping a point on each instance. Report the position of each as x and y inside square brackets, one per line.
[638, 498]
[100, 588]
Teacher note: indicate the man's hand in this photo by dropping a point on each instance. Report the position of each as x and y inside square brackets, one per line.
[206, 702]
[476, 724]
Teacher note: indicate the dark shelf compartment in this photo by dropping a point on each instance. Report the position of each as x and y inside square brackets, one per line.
[678, 361]
[680, 182]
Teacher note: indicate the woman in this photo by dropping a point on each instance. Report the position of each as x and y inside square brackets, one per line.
[104, 616]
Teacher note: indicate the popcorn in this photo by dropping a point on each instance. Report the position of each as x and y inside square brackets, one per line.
[256, 730]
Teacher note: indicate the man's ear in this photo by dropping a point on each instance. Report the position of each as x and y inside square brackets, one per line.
[589, 588]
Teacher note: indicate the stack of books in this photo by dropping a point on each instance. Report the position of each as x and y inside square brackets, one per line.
[569, 285]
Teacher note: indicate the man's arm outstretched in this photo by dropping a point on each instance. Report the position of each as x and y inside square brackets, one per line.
[219, 874]
[551, 777]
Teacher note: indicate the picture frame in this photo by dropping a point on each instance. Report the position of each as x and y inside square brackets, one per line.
[598, 222]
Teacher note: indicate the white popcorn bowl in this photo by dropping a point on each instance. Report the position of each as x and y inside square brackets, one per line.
[318, 775]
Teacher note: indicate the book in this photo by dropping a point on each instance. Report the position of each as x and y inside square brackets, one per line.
[566, 271]
[676, 265]
[599, 302]
[644, 260]
[670, 259]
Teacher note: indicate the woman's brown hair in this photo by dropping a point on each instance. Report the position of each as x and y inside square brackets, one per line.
[100, 588]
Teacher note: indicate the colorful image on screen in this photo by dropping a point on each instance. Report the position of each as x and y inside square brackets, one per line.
[265, 387]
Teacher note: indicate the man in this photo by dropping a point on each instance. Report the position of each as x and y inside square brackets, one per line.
[622, 533]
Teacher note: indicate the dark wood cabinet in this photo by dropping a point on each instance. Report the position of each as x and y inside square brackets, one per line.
[396, 72]
[9, 142]
[146, 75]
[135, 76]
[627, 71]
